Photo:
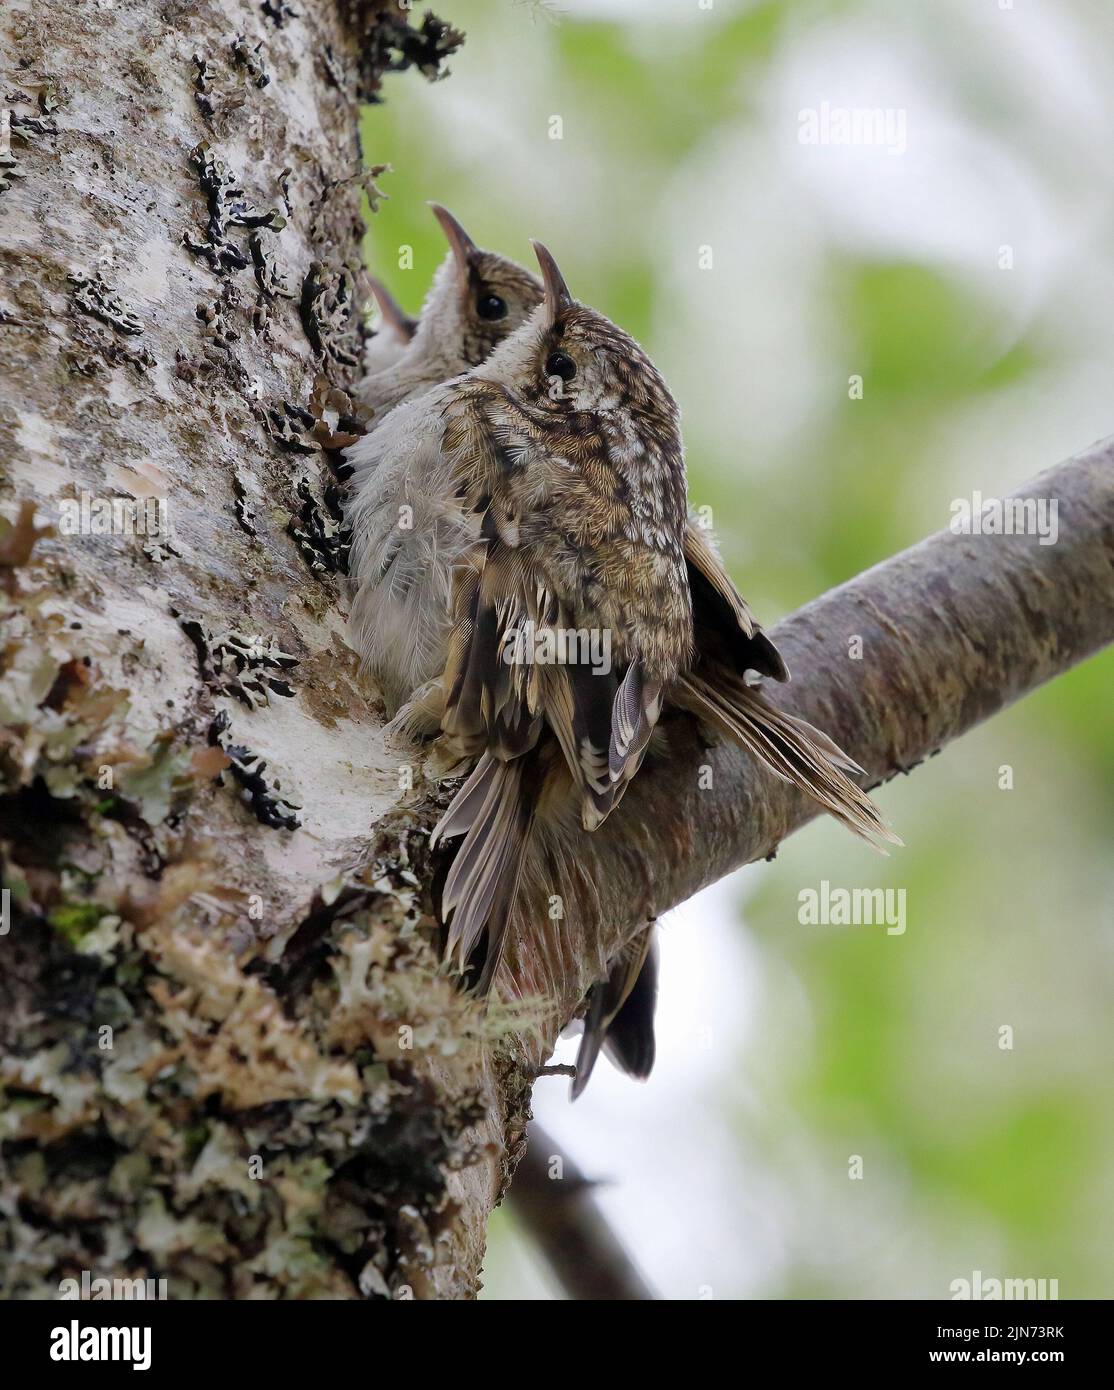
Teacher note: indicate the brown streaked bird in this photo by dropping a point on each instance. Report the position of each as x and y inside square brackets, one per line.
[552, 481]
[474, 300]
[619, 1010]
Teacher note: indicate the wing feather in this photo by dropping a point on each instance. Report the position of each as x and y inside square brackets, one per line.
[718, 606]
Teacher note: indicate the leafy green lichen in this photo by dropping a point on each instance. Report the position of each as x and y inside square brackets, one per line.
[75, 920]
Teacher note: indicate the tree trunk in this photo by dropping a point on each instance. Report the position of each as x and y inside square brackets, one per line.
[180, 226]
[230, 1055]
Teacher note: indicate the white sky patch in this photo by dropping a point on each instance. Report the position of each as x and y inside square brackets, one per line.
[760, 369]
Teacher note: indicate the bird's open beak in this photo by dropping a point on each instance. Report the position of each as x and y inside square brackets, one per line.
[557, 296]
[394, 316]
[462, 245]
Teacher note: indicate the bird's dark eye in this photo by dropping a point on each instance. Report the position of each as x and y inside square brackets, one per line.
[560, 364]
[490, 306]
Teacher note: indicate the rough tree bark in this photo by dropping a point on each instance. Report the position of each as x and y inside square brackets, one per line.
[228, 1052]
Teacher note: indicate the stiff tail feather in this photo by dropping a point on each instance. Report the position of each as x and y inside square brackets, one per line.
[620, 1015]
[490, 811]
[791, 748]
[482, 888]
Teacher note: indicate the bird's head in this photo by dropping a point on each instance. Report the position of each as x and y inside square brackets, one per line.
[477, 298]
[569, 358]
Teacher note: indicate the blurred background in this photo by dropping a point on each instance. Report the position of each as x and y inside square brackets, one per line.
[964, 268]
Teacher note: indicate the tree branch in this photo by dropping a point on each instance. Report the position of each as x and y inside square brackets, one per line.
[952, 631]
[561, 1216]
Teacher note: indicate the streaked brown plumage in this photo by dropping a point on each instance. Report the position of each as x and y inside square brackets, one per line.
[580, 494]
[570, 513]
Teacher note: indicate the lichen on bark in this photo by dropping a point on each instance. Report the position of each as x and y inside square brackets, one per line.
[229, 1055]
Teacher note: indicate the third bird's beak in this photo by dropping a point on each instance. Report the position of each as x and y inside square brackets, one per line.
[464, 249]
[557, 296]
[394, 316]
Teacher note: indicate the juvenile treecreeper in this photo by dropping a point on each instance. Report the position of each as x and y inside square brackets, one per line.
[544, 492]
[477, 285]
[476, 298]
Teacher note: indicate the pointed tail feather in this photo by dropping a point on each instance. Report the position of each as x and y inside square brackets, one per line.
[791, 748]
[482, 883]
[620, 1015]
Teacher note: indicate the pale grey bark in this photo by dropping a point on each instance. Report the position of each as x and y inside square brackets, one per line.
[180, 236]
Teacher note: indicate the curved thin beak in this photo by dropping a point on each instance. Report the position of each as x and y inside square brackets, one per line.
[557, 296]
[462, 245]
[394, 316]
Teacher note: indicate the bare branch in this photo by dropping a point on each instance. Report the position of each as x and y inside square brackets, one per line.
[952, 631]
[562, 1217]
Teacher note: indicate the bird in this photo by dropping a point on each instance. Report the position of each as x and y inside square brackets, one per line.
[475, 298]
[619, 1009]
[400, 524]
[547, 487]
[394, 335]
